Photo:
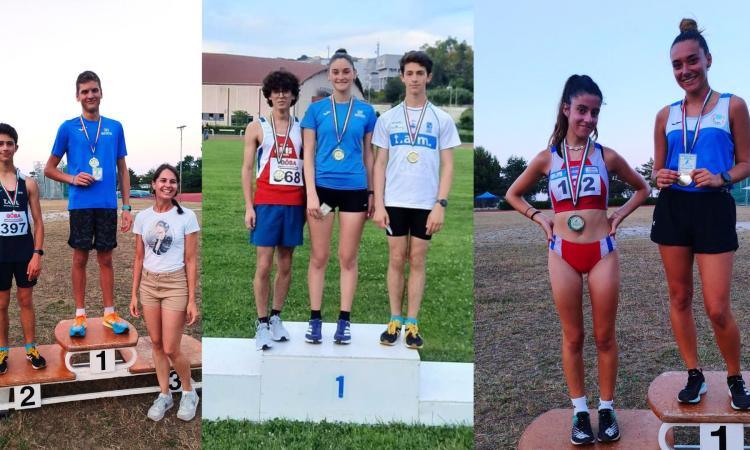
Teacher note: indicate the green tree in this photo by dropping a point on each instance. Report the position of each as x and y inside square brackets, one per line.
[394, 90]
[466, 121]
[645, 171]
[453, 63]
[513, 169]
[240, 118]
[486, 172]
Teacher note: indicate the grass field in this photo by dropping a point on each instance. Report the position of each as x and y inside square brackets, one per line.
[112, 423]
[446, 319]
[519, 369]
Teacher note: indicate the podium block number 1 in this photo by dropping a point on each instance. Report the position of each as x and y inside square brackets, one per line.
[29, 396]
[721, 436]
[340, 380]
[101, 361]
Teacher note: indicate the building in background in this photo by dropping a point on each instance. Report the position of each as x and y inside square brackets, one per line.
[233, 83]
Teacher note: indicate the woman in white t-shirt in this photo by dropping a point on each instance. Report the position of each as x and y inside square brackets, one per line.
[165, 273]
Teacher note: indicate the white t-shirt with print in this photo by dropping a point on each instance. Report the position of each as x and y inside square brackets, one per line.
[413, 172]
[163, 236]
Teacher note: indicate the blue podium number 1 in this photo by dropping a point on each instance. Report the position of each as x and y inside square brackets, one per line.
[340, 379]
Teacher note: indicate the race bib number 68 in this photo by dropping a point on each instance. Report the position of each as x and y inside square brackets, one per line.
[288, 172]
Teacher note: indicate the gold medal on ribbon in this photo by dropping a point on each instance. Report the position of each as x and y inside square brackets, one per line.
[278, 175]
[93, 162]
[338, 153]
[412, 157]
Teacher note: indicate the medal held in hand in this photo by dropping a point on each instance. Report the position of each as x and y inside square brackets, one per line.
[688, 159]
[96, 171]
[338, 152]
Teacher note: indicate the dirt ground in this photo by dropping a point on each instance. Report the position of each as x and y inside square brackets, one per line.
[112, 423]
[518, 370]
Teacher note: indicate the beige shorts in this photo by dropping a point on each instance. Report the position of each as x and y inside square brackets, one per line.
[167, 290]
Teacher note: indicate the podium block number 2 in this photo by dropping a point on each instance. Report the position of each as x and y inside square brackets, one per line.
[721, 436]
[29, 396]
[101, 361]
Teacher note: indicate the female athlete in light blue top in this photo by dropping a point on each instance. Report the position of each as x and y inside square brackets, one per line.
[337, 131]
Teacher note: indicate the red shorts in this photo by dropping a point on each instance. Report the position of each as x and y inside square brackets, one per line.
[582, 257]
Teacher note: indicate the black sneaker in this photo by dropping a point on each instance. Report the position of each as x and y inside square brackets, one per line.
[3, 361]
[581, 433]
[696, 386]
[391, 334]
[608, 429]
[412, 338]
[738, 392]
[37, 360]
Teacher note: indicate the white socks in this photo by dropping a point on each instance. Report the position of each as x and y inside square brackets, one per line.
[579, 405]
[80, 312]
[109, 310]
[606, 404]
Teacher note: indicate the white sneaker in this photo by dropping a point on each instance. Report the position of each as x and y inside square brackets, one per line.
[263, 339]
[278, 332]
[188, 405]
[162, 404]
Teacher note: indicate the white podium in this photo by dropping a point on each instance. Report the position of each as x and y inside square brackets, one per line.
[363, 382]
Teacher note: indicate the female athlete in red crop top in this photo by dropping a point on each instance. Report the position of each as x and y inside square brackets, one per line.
[580, 237]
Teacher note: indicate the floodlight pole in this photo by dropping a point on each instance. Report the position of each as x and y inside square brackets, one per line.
[181, 127]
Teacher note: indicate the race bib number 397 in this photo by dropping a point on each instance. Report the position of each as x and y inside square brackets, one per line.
[288, 172]
[13, 223]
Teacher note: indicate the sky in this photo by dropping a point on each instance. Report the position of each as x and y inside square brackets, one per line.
[525, 51]
[147, 54]
[289, 30]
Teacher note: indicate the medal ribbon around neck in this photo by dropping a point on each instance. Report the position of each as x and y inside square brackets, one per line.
[569, 172]
[15, 191]
[413, 138]
[280, 155]
[88, 139]
[340, 136]
[697, 128]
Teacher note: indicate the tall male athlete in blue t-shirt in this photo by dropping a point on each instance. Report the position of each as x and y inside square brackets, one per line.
[95, 148]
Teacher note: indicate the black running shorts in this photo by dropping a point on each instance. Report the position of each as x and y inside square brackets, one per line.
[17, 270]
[93, 228]
[408, 221]
[704, 221]
[343, 200]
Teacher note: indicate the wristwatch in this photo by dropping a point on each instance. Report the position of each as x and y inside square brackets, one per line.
[726, 177]
[39, 251]
[126, 208]
[443, 202]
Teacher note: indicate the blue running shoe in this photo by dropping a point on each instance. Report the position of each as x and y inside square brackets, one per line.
[113, 321]
[314, 333]
[79, 327]
[343, 334]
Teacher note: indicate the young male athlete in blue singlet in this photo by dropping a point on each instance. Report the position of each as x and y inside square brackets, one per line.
[412, 178]
[95, 148]
[276, 213]
[20, 248]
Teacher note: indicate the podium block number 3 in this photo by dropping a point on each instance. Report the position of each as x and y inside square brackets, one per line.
[29, 396]
[721, 436]
[101, 361]
[175, 385]
[340, 380]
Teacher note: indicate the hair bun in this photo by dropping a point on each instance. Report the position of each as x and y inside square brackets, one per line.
[341, 50]
[688, 25]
